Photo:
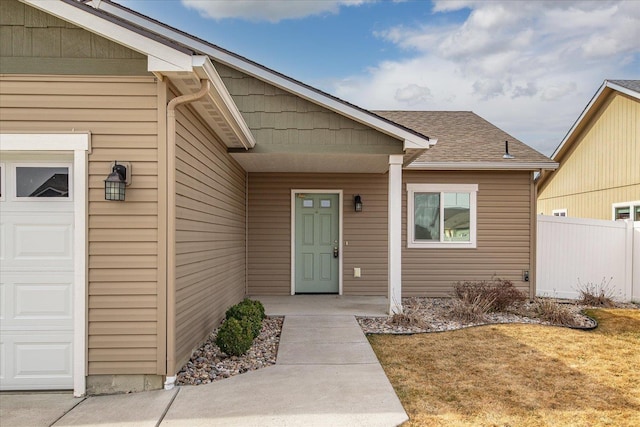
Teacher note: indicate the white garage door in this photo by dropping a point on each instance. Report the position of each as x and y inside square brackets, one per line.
[36, 279]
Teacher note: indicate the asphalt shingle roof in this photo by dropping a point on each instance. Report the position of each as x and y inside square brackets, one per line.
[463, 136]
[633, 85]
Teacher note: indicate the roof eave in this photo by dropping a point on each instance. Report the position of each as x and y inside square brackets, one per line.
[223, 101]
[530, 166]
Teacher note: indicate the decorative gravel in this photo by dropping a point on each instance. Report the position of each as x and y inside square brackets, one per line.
[209, 363]
[433, 315]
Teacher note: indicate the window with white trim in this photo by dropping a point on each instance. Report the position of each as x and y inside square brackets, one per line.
[441, 215]
[626, 210]
[559, 212]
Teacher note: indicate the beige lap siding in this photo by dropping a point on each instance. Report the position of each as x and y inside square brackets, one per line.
[121, 114]
[503, 236]
[210, 232]
[270, 230]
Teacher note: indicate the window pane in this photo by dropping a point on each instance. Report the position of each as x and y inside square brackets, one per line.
[427, 216]
[637, 216]
[457, 217]
[622, 213]
[42, 182]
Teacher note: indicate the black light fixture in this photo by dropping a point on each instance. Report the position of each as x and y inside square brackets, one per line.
[357, 203]
[116, 182]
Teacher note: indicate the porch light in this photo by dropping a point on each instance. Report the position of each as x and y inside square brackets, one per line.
[357, 203]
[116, 182]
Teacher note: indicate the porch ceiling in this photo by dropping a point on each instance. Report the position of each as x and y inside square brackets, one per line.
[312, 163]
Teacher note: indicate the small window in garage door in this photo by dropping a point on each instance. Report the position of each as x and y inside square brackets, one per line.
[38, 181]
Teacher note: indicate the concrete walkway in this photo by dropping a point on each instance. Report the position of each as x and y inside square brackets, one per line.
[326, 374]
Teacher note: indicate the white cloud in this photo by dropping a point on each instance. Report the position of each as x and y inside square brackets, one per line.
[413, 94]
[271, 11]
[528, 67]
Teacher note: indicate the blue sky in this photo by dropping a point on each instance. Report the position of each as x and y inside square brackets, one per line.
[528, 67]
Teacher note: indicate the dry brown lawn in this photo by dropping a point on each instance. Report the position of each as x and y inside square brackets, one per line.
[519, 375]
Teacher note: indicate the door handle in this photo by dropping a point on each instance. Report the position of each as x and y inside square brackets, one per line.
[335, 252]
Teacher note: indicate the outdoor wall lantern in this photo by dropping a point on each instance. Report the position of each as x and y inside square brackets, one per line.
[117, 180]
[357, 203]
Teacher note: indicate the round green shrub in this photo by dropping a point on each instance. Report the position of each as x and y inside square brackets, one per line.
[248, 309]
[235, 336]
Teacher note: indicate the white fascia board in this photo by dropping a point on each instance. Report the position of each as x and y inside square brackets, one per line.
[481, 166]
[221, 97]
[162, 54]
[263, 74]
[621, 89]
[419, 144]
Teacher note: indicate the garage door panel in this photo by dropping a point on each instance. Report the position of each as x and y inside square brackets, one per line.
[3, 240]
[46, 242]
[39, 301]
[36, 360]
[43, 301]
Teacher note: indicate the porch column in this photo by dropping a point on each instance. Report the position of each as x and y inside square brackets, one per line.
[395, 234]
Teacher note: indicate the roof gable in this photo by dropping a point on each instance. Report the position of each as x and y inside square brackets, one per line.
[412, 138]
[630, 88]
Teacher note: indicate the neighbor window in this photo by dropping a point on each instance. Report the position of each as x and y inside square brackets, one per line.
[441, 215]
[627, 210]
[559, 212]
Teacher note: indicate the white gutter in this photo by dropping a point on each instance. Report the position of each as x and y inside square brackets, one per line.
[171, 225]
[482, 166]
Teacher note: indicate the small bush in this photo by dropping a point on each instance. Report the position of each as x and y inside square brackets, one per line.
[248, 309]
[501, 293]
[235, 337]
[409, 317]
[596, 295]
[552, 312]
[471, 308]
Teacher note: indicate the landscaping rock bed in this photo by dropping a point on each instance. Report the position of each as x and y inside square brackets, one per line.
[209, 363]
[432, 315]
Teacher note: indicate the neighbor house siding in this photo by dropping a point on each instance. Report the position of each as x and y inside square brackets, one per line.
[121, 114]
[503, 237]
[210, 232]
[602, 168]
[270, 230]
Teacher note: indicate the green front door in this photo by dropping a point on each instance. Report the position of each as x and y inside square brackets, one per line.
[316, 243]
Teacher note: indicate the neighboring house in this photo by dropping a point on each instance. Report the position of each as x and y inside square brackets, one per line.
[242, 182]
[599, 173]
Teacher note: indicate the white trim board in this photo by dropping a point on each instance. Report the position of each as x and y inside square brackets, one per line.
[79, 144]
[293, 233]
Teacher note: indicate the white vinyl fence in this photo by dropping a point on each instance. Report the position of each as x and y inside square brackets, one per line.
[574, 252]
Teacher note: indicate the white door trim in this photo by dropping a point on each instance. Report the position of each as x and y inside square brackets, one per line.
[79, 144]
[293, 234]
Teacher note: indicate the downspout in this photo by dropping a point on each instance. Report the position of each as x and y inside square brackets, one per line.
[171, 225]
